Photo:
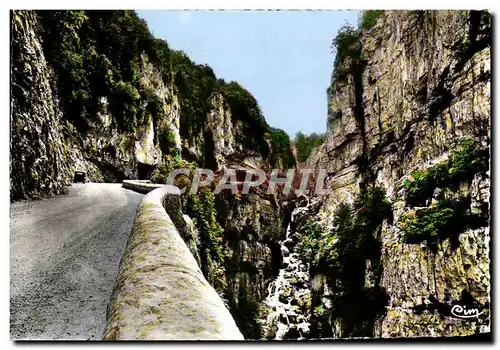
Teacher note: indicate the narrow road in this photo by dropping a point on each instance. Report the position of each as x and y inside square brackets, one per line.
[64, 257]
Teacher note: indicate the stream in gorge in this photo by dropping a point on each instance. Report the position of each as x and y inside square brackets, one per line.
[288, 293]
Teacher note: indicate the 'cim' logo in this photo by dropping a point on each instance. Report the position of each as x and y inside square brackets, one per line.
[462, 312]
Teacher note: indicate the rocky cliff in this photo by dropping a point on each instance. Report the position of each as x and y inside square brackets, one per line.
[395, 250]
[38, 157]
[82, 100]
[409, 130]
[95, 91]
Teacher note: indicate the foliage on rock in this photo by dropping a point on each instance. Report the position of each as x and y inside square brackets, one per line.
[447, 217]
[202, 207]
[281, 149]
[347, 45]
[341, 256]
[244, 108]
[166, 141]
[439, 221]
[98, 54]
[368, 18]
[464, 162]
[304, 144]
[170, 163]
[313, 237]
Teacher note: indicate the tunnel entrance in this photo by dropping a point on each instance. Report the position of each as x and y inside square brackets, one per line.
[144, 171]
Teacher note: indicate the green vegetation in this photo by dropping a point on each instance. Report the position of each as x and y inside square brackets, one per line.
[124, 105]
[353, 233]
[281, 149]
[463, 163]
[160, 174]
[341, 255]
[444, 219]
[419, 187]
[202, 206]
[195, 86]
[166, 141]
[347, 44]
[97, 54]
[313, 238]
[245, 109]
[169, 163]
[304, 144]
[155, 104]
[368, 18]
[468, 160]
[447, 217]
[320, 310]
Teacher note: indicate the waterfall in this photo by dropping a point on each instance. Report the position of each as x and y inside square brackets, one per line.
[285, 319]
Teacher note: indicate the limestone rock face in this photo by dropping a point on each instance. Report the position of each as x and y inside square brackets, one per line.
[253, 227]
[38, 163]
[218, 143]
[151, 78]
[47, 148]
[135, 154]
[425, 81]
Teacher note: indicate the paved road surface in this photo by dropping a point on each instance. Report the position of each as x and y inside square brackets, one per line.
[64, 256]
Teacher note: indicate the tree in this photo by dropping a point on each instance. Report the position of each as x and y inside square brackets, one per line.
[304, 144]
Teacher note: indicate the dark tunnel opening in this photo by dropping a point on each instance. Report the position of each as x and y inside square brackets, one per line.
[144, 171]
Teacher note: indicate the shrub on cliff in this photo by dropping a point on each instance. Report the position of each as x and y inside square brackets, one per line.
[124, 105]
[195, 86]
[468, 160]
[368, 18]
[346, 45]
[155, 104]
[304, 144]
[281, 149]
[244, 108]
[160, 174]
[95, 54]
[201, 206]
[169, 163]
[341, 255]
[308, 246]
[353, 232]
[166, 141]
[465, 161]
[444, 219]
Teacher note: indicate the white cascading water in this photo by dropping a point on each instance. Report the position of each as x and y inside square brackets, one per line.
[291, 285]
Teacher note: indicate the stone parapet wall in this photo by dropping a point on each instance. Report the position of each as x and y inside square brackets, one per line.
[160, 292]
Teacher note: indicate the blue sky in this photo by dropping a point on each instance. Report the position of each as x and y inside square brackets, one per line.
[282, 57]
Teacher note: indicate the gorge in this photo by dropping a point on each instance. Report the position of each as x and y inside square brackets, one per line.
[402, 238]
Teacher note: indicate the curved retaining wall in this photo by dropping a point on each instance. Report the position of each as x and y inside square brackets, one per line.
[160, 292]
[143, 186]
